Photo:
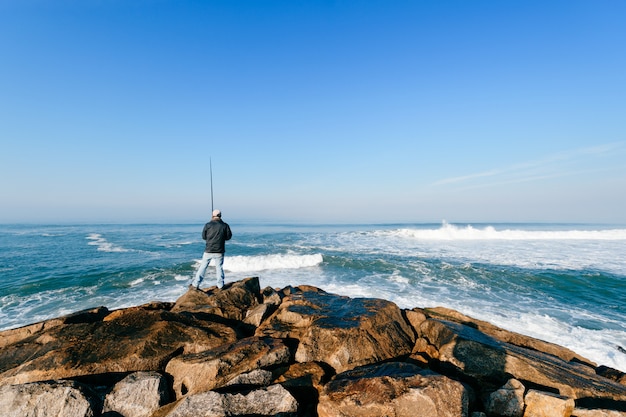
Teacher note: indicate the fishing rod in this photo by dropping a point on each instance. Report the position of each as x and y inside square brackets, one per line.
[211, 172]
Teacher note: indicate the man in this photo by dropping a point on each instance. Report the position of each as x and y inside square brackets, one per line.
[216, 233]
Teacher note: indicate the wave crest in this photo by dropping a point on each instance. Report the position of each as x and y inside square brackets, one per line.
[103, 245]
[452, 232]
[268, 262]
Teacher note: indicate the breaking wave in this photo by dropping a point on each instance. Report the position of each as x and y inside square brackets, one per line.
[271, 262]
[453, 232]
[103, 245]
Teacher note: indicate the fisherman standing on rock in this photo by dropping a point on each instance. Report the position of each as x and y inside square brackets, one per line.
[215, 233]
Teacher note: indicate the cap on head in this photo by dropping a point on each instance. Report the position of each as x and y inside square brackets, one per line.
[217, 213]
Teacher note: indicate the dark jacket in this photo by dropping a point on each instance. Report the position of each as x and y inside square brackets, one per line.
[216, 233]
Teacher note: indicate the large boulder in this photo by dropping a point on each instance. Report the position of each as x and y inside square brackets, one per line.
[217, 367]
[52, 398]
[393, 389]
[545, 404]
[129, 340]
[230, 302]
[139, 394]
[507, 401]
[12, 336]
[507, 336]
[271, 401]
[464, 349]
[340, 331]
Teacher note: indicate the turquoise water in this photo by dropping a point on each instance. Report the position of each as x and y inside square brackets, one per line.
[561, 283]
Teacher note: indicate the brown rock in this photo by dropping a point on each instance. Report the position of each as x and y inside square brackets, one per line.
[304, 375]
[582, 412]
[492, 361]
[271, 296]
[393, 389]
[52, 398]
[506, 336]
[12, 336]
[231, 302]
[614, 374]
[256, 315]
[214, 368]
[305, 381]
[544, 404]
[132, 340]
[340, 331]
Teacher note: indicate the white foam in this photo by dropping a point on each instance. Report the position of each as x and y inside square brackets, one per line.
[452, 232]
[268, 262]
[103, 244]
[136, 282]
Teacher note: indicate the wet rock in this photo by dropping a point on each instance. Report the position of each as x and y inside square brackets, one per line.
[613, 374]
[214, 368]
[55, 398]
[270, 401]
[509, 337]
[138, 395]
[544, 404]
[393, 389]
[12, 336]
[126, 341]
[581, 412]
[340, 331]
[463, 349]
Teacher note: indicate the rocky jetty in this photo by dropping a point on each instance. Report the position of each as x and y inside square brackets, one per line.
[246, 351]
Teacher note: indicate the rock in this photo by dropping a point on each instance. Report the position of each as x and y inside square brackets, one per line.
[256, 315]
[270, 401]
[614, 374]
[506, 336]
[340, 331]
[271, 296]
[392, 389]
[507, 401]
[214, 368]
[231, 302]
[12, 336]
[466, 350]
[138, 395]
[305, 381]
[53, 398]
[304, 375]
[581, 412]
[544, 404]
[258, 377]
[331, 355]
[126, 341]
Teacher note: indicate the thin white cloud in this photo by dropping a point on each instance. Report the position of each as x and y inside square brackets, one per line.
[551, 166]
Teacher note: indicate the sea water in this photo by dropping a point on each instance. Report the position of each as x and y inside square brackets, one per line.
[565, 284]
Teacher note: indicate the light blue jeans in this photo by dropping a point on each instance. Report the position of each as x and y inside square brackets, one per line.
[219, 271]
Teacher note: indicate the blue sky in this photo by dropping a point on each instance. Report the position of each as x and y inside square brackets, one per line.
[316, 111]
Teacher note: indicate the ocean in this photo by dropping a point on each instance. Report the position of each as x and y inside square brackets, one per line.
[561, 283]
